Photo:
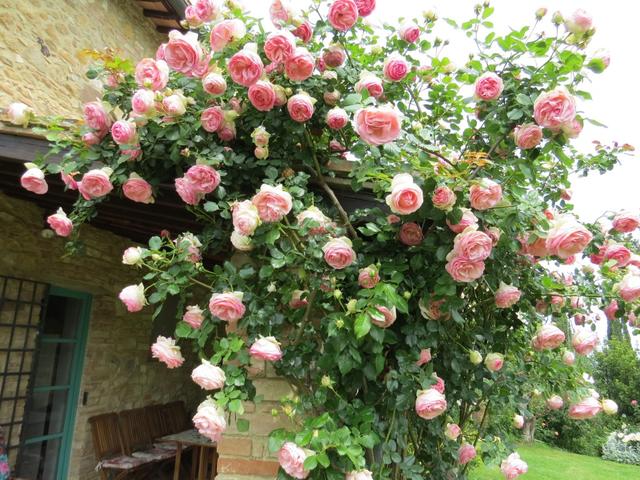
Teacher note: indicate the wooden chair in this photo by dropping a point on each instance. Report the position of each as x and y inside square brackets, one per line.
[137, 440]
[158, 427]
[108, 448]
[176, 414]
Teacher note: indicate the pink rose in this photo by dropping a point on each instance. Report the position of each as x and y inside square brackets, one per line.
[555, 402]
[424, 357]
[304, 31]
[191, 244]
[227, 131]
[452, 431]
[371, 83]
[527, 136]
[260, 137]
[430, 403]
[225, 32]
[368, 277]
[359, 475]
[572, 129]
[214, 84]
[91, 138]
[209, 420]
[384, 317]
[343, 14]
[609, 407]
[280, 12]
[203, 178]
[579, 22]
[245, 67]
[193, 316]
[338, 253]
[166, 350]
[212, 119]
[432, 311]
[507, 295]
[494, 234]
[567, 237]
[187, 191]
[512, 467]
[439, 385]
[392, 219]
[174, 105]
[554, 109]
[584, 341]
[132, 256]
[133, 297]
[365, 7]
[95, 183]
[95, 116]
[315, 215]
[411, 234]
[466, 453]
[279, 46]
[488, 87]
[124, 132]
[468, 219]
[409, 32]
[299, 66]
[625, 222]
[19, 113]
[377, 125]
[300, 107]
[619, 253]
[337, 118]
[629, 287]
[443, 198]
[291, 459]
[548, 337]
[207, 10]
[464, 270]
[405, 197]
[395, 68]
[487, 194]
[33, 180]
[494, 361]
[241, 242]
[266, 348]
[262, 95]
[208, 376]
[60, 223]
[610, 310]
[334, 56]
[245, 217]
[227, 306]
[152, 74]
[143, 102]
[192, 17]
[183, 51]
[273, 203]
[568, 358]
[137, 189]
[472, 244]
[299, 299]
[586, 408]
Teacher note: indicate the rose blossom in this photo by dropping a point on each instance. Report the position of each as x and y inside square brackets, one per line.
[494, 361]
[464, 270]
[584, 341]
[609, 407]
[395, 68]
[452, 431]
[143, 102]
[338, 253]
[368, 277]
[512, 466]
[209, 420]
[548, 337]
[359, 475]
[409, 32]
[567, 237]
[95, 183]
[554, 109]
[137, 189]
[555, 402]
[405, 197]
[629, 287]
[299, 66]
[291, 459]
[166, 350]
[91, 138]
[262, 96]
[337, 118]
[273, 203]
[468, 219]
[183, 51]
[187, 191]
[245, 67]
[132, 256]
[133, 297]
[368, 81]
[334, 56]
[365, 7]
[214, 84]
[33, 180]
[60, 223]
[193, 316]
[568, 358]
[208, 376]
[152, 74]
[226, 32]
[619, 253]
[472, 244]
[174, 105]
[19, 113]
[207, 10]
[385, 317]
[443, 198]
[572, 129]
[212, 119]
[430, 403]
[625, 222]
[266, 348]
[611, 309]
[579, 22]
[95, 116]
[227, 306]
[304, 31]
[124, 132]
[343, 14]
[528, 135]
[487, 194]
[488, 87]
[431, 311]
[424, 358]
[586, 408]
[315, 215]
[466, 453]
[475, 357]
[411, 234]
[241, 242]
[245, 217]
[507, 295]
[299, 299]
[203, 178]
[279, 46]
[227, 131]
[300, 107]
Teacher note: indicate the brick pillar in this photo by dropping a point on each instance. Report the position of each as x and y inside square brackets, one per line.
[245, 455]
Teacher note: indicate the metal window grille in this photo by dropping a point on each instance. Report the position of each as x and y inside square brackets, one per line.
[22, 305]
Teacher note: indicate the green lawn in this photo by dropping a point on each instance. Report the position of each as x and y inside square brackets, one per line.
[547, 463]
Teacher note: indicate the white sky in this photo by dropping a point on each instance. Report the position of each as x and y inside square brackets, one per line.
[616, 96]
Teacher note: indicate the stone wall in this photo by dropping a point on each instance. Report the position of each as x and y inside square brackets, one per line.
[40, 41]
[118, 370]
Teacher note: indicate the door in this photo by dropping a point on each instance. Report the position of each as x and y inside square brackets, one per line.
[54, 384]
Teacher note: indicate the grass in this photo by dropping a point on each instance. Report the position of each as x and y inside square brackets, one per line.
[547, 463]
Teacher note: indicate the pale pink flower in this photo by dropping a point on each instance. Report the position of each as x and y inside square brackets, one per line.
[299, 66]
[133, 297]
[208, 376]
[488, 87]
[204, 178]
[365, 7]
[494, 361]
[291, 459]
[124, 132]
[214, 84]
[304, 31]
[513, 467]
[579, 22]
[212, 119]
[430, 403]
[33, 180]
[409, 32]
[472, 244]
[464, 270]
[338, 253]
[584, 341]
[468, 219]
[368, 277]
[315, 215]
[245, 67]
[193, 316]
[334, 56]
[152, 74]
[95, 183]
[588, 407]
[507, 295]
[424, 357]
[548, 337]
[227, 306]
[96, 117]
[266, 348]
[60, 223]
[337, 118]
[629, 287]
[466, 453]
[279, 46]
[554, 109]
[395, 68]
[385, 317]
[183, 51]
[567, 237]
[484, 195]
[273, 203]
[555, 402]
[411, 234]
[343, 14]
[166, 350]
[226, 32]
[405, 197]
[452, 431]
[19, 113]
[626, 222]
[300, 107]
[527, 136]
[369, 82]
[209, 420]
[443, 198]
[137, 189]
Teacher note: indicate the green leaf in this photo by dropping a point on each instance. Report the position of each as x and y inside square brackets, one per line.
[272, 236]
[182, 330]
[242, 425]
[362, 325]
[323, 459]
[310, 462]
[155, 243]
[236, 406]
[523, 99]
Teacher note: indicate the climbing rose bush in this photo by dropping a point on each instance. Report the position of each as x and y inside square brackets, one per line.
[411, 327]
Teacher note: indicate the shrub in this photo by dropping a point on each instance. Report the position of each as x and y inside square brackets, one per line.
[622, 447]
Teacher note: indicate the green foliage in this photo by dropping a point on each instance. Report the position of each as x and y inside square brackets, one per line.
[617, 375]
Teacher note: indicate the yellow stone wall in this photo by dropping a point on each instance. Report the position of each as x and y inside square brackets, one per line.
[40, 41]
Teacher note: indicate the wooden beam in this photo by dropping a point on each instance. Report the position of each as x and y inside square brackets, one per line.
[161, 15]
